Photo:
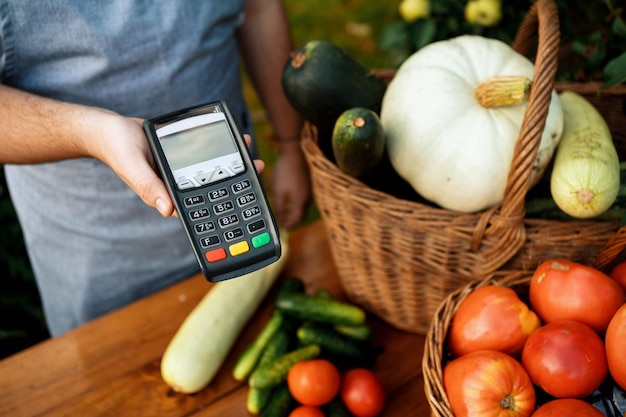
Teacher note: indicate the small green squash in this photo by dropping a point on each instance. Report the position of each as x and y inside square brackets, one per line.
[358, 141]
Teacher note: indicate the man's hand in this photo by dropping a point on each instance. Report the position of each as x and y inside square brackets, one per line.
[37, 129]
[290, 185]
[128, 154]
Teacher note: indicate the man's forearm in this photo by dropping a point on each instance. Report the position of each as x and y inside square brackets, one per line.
[265, 43]
[35, 129]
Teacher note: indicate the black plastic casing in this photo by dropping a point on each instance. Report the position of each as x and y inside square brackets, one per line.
[242, 263]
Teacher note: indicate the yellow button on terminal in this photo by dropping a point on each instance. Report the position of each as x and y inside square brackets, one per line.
[239, 248]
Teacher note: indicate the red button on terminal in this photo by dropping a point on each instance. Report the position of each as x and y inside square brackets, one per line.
[215, 255]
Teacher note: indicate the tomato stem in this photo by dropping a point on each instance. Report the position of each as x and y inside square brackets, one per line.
[507, 402]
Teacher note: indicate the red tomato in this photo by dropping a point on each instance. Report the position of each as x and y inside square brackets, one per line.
[566, 359]
[488, 383]
[491, 318]
[306, 411]
[362, 393]
[567, 407]
[313, 382]
[615, 343]
[564, 290]
[618, 273]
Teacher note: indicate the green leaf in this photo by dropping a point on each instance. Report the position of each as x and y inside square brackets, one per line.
[446, 7]
[453, 25]
[592, 50]
[394, 36]
[618, 27]
[596, 55]
[615, 71]
[579, 46]
[424, 33]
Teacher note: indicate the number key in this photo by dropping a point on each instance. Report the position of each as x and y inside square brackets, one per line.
[228, 221]
[251, 212]
[241, 186]
[246, 199]
[217, 194]
[199, 214]
[204, 227]
[194, 200]
[233, 234]
[224, 207]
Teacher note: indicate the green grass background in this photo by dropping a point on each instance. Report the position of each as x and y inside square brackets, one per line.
[355, 25]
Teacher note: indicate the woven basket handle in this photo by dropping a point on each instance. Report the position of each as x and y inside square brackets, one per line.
[542, 18]
[611, 250]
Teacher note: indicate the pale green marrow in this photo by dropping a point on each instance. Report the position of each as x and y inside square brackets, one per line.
[585, 178]
[203, 341]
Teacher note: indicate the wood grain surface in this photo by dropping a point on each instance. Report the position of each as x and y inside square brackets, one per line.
[111, 366]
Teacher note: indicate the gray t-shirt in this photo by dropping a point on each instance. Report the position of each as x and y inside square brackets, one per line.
[93, 244]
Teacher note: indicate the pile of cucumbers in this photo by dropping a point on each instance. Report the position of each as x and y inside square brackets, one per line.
[302, 327]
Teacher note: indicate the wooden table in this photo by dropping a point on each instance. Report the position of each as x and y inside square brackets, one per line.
[110, 366]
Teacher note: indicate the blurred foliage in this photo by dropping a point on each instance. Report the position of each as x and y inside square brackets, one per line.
[400, 39]
[593, 35]
[354, 25]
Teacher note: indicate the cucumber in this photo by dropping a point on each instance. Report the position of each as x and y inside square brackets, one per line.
[291, 285]
[319, 309]
[585, 178]
[280, 404]
[358, 141]
[323, 293]
[277, 346]
[257, 399]
[336, 346]
[274, 373]
[356, 331]
[248, 359]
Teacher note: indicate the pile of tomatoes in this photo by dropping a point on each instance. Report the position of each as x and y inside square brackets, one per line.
[316, 382]
[543, 353]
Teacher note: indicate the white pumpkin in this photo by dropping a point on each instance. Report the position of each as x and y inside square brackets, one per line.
[452, 150]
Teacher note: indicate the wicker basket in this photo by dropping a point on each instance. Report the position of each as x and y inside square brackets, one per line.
[399, 259]
[435, 352]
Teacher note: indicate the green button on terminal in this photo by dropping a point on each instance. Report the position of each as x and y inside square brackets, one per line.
[261, 240]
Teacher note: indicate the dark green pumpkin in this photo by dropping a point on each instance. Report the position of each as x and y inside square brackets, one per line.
[321, 81]
[358, 141]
